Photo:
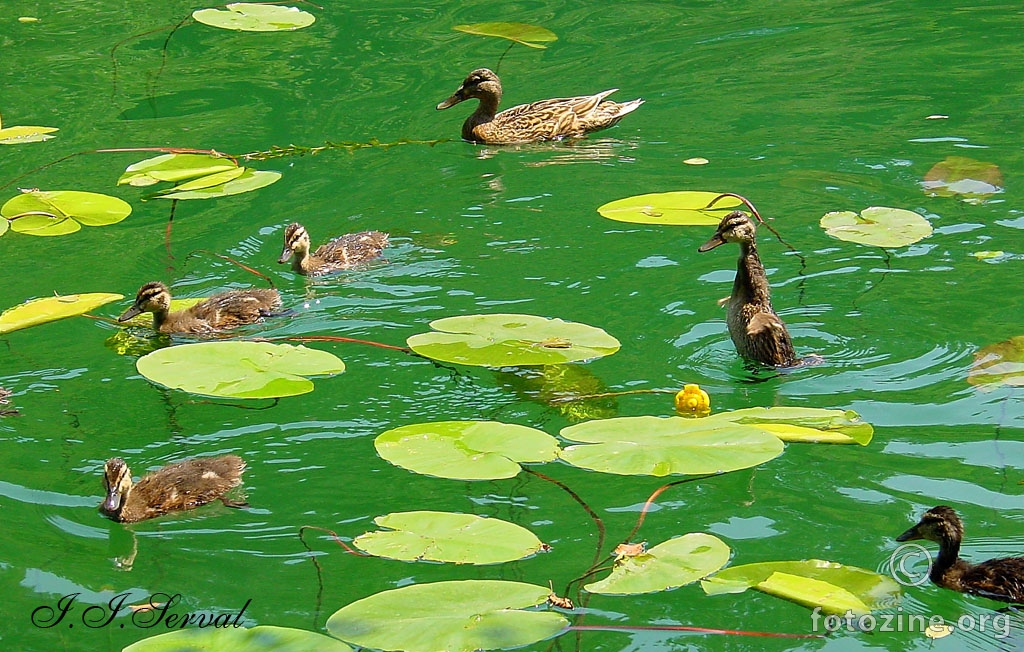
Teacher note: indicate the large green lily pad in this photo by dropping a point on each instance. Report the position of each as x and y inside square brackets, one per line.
[811, 582]
[509, 340]
[663, 446]
[262, 638]
[997, 364]
[968, 178]
[812, 425]
[465, 450]
[450, 616]
[253, 17]
[448, 537]
[47, 309]
[668, 565]
[678, 208]
[238, 369]
[174, 168]
[877, 225]
[59, 212]
[529, 35]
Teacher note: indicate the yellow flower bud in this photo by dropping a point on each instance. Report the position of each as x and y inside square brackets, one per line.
[693, 401]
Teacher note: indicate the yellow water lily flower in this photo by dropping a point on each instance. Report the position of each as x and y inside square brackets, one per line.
[693, 401]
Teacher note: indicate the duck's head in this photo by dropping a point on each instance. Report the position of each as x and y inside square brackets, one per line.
[117, 481]
[295, 240]
[938, 524]
[152, 297]
[479, 84]
[734, 227]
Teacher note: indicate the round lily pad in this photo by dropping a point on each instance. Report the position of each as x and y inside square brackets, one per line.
[465, 450]
[997, 364]
[452, 616]
[448, 537]
[508, 340]
[668, 565]
[174, 168]
[59, 212]
[238, 369]
[662, 446]
[47, 309]
[222, 638]
[529, 35]
[252, 17]
[963, 176]
[679, 208]
[877, 225]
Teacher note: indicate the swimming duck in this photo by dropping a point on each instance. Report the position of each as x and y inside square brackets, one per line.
[220, 312]
[756, 331]
[340, 253]
[997, 579]
[176, 487]
[527, 123]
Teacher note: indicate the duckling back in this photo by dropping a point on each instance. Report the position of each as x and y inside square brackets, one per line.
[181, 486]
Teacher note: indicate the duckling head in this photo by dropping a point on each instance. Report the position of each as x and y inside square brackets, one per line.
[117, 481]
[296, 240]
[479, 84]
[734, 227]
[152, 297]
[938, 524]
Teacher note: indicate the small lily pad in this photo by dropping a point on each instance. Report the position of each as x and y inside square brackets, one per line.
[964, 177]
[678, 208]
[24, 134]
[465, 450]
[238, 369]
[457, 616]
[877, 225]
[529, 35]
[222, 638]
[812, 425]
[253, 17]
[174, 168]
[448, 537]
[678, 561]
[225, 183]
[47, 309]
[998, 364]
[507, 340]
[59, 212]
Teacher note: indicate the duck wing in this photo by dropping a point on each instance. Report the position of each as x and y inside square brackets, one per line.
[996, 579]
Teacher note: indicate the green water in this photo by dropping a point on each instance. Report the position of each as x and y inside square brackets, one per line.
[804, 107]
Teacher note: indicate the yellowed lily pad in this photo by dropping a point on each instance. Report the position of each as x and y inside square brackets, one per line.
[877, 225]
[24, 134]
[532, 36]
[678, 208]
[997, 364]
[810, 425]
[47, 309]
[964, 177]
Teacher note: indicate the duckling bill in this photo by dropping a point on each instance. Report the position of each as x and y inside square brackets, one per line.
[220, 312]
[176, 487]
[341, 253]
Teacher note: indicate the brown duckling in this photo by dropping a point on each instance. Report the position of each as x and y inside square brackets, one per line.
[176, 487]
[222, 311]
[756, 331]
[542, 120]
[997, 579]
[341, 253]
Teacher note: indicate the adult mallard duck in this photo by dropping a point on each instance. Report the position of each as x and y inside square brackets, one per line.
[527, 123]
[756, 331]
[176, 487]
[341, 253]
[220, 312]
[997, 579]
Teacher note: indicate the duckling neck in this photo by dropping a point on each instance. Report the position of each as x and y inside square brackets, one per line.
[301, 261]
[751, 284]
[159, 319]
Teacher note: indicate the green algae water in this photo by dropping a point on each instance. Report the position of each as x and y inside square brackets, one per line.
[803, 107]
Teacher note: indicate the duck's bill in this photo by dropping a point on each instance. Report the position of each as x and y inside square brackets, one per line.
[909, 535]
[285, 255]
[456, 97]
[715, 241]
[112, 502]
[134, 311]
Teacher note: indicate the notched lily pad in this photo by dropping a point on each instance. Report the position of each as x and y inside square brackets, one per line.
[998, 364]
[509, 340]
[253, 17]
[964, 177]
[679, 208]
[811, 425]
[174, 168]
[262, 638]
[47, 309]
[59, 212]
[678, 561]
[877, 225]
[529, 35]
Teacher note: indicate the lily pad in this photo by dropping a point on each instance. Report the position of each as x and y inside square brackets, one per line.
[252, 17]
[663, 446]
[59, 212]
[458, 616]
[174, 168]
[964, 177]
[24, 134]
[529, 35]
[47, 309]
[507, 340]
[811, 582]
[812, 425]
[465, 450]
[447, 537]
[262, 638]
[877, 225]
[227, 183]
[238, 369]
[668, 565]
[997, 364]
[203, 183]
[678, 208]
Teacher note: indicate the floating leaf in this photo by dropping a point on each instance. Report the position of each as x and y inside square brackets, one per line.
[252, 17]
[878, 226]
[959, 175]
[458, 616]
[174, 168]
[465, 450]
[506, 340]
[59, 212]
[528, 35]
[249, 180]
[238, 369]
[221, 638]
[812, 582]
[997, 364]
[678, 561]
[796, 424]
[4, 225]
[697, 160]
[47, 309]
[988, 255]
[447, 537]
[25, 134]
[663, 446]
[680, 208]
[203, 183]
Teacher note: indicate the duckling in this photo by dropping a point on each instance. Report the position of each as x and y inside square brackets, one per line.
[220, 312]
[756, 331]
[176, 487]
[340, 253]
[543, 120]
[997, 579]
